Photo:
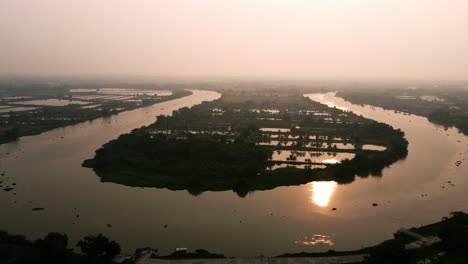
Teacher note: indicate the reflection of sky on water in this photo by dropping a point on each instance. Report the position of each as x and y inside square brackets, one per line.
[330, 161]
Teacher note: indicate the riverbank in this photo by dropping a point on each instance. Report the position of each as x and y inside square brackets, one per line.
[37, 119]
[295, 213]
[446, 107]
[408, 246]
[441, 242]
[235, 143]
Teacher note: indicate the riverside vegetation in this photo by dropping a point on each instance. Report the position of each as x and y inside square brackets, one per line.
[32, 109]
[249, 141]
[446, 107]
[452, 247]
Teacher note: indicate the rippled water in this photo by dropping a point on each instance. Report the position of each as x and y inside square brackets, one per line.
[47, 171]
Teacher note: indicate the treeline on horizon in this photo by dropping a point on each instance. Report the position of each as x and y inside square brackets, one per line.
[452, 111]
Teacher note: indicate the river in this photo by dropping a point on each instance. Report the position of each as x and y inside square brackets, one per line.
[47, 171]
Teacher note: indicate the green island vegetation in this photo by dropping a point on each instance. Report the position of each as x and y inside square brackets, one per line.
[35, 108]
[249, 141]
[446, 107]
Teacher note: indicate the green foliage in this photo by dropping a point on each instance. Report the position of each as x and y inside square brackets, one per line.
[389, 252]
[450, 117]
[12, 133]
[52, 248]
[14, 239]
[455, 234]
[99, 249]
[196, 163]
[452, 110]
[214, 146]
[452, 230]
[44, 118]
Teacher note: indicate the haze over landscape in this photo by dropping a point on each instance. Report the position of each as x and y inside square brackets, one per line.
[233, 131]
[299, 39]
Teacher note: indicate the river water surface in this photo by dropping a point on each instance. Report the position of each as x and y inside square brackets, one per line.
[47, 171]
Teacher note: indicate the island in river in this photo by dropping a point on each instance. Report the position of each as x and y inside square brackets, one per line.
[249, 141]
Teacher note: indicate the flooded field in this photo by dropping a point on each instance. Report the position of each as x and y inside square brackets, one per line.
[32, 115]
[313, 157]
[52, 102]
[16, 109]
[124, 91]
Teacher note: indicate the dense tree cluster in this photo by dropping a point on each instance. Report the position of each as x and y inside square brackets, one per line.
[196, 162]
[215, 146]
[54, 249]
[450, 108]
[453, 247]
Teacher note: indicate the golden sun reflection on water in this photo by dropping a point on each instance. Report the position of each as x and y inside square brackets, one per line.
[332, 104]
[315, 240]
[322, 192]
[330, 161]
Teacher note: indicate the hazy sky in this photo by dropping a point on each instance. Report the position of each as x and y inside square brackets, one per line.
[309, 39]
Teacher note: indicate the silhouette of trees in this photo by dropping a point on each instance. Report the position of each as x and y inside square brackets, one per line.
[52, 248]
[191, 151]
[99, 249]
[389, 252]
